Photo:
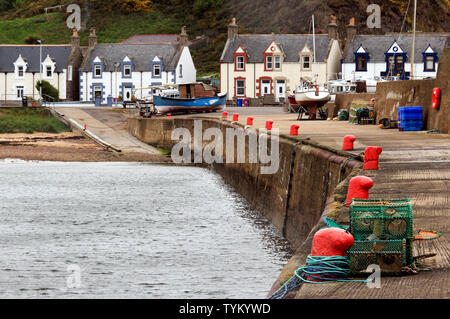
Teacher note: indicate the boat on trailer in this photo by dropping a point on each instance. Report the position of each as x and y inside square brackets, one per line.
[193, 97]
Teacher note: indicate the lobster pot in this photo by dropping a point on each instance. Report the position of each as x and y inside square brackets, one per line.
[390, 255]
[381, 219]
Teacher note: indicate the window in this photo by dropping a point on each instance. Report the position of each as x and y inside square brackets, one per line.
[181, 70]
[240, 87]
[156, 70]
[269, 62]
[391, 63]
[306, 62]
[98, 70]
[277, 62]
[399, 63]
[49, 71]
[240, 64]
[69, 73]
[127, 70]
[19, 91]
[429, 63]
[97, 91]
[361, 64]
[20, 71]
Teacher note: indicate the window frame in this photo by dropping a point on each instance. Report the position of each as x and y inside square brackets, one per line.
[267, 68]
[237, 88]
[275, 62]
[99, 68]
[303, 62]
[238, 57]
[47, 69]
[127, 68]
[20, 71]
[156, 66]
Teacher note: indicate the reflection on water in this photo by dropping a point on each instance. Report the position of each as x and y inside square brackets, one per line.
[133, 231]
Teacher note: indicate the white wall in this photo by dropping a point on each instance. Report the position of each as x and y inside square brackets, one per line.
[189, 72]
[375, 69]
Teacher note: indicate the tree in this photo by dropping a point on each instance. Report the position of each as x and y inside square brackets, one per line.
[49, 92]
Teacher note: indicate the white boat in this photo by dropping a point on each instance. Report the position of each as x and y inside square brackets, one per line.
[340, 86]
[312, 95]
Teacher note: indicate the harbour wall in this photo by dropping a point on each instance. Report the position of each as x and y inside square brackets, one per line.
[293, 198]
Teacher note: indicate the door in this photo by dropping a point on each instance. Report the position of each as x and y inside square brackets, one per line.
[127, 93]
[281, 90]
[265, 87]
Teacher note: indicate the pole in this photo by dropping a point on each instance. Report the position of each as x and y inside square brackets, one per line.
[40, 68]
[314, 40]
[414, 41]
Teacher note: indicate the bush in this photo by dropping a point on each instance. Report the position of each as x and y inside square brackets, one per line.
[48, 91]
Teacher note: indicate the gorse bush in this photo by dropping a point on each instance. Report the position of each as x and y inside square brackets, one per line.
[48, 91]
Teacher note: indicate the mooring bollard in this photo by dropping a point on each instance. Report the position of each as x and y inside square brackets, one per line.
[235, 117]
[358, 188]
[269, 125]
[224, 115]
[371, 157]
[250, 121]
[85, 127]
[169, 115]
[330, 242]
[348, 143]
[294, 130]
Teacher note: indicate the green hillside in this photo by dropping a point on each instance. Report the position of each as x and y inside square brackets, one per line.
[116, 20]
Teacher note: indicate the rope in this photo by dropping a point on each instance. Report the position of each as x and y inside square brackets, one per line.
[318, 270]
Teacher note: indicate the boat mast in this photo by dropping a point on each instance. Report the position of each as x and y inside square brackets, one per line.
[314, 40]
[414, 41]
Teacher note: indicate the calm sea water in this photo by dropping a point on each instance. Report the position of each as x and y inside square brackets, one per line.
[128, 230]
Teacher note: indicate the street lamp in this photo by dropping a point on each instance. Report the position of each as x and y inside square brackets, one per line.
[40, 67]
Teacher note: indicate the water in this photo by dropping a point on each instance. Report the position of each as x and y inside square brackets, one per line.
[130, 230]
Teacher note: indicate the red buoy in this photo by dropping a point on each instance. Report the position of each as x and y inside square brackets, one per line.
[269, 125]
[348, 143]
[358, 188]
[294, 130]
[236, 117]
[250, 120]
[371, 156]
[331, 242]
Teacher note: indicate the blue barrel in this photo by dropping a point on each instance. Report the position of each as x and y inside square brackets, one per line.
[239, 102]
[98, 101]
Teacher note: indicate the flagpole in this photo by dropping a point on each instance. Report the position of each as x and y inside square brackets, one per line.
[414, 41]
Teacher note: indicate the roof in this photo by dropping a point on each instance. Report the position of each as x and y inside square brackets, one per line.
[141, 55]
[291, 44]
[10, 53]
[151, 38]
[377, 45]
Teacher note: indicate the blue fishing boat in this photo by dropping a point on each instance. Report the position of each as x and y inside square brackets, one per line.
[193, 97]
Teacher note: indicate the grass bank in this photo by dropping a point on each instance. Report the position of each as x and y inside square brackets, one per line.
[29, 120]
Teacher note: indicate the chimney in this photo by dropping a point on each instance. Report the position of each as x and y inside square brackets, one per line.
[351, 30]
[333, 28]
[75, 40]
[232, 29]
[92, 38]
[183, 37]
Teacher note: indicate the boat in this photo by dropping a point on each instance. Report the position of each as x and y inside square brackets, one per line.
[193, 97]
[311, 95]
[340, 86]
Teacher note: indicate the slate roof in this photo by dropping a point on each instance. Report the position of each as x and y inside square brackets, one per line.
[377, 45]
[151, 38]
[291, 44]
[10, 53]
[141, 55]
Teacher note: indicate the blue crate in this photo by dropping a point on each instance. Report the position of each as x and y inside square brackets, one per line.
[410, 113]
[410, 125]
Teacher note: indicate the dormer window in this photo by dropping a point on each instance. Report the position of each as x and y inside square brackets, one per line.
[306, 62]
[361, 63]
[269, 63]
[240, 63]
[97, 70]
[156, 70]
[429, 63]
[20, 71]
[127, 70]
[277, 62]
[49, 72]
[429, 60]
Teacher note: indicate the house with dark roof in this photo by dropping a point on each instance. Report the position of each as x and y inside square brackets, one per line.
[125, 71]
[253, 65]
[21, 69]
[389, 56]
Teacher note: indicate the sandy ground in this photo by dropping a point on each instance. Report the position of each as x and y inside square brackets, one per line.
[65, 147]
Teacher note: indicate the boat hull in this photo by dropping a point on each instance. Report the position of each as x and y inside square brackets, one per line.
[166, 104]
[311, 99]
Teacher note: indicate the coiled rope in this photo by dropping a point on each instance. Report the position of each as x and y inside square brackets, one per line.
[318, 270]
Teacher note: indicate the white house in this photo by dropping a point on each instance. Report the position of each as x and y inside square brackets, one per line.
[253, 65]
[389, 56]
[127, 70]
[20, 70]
